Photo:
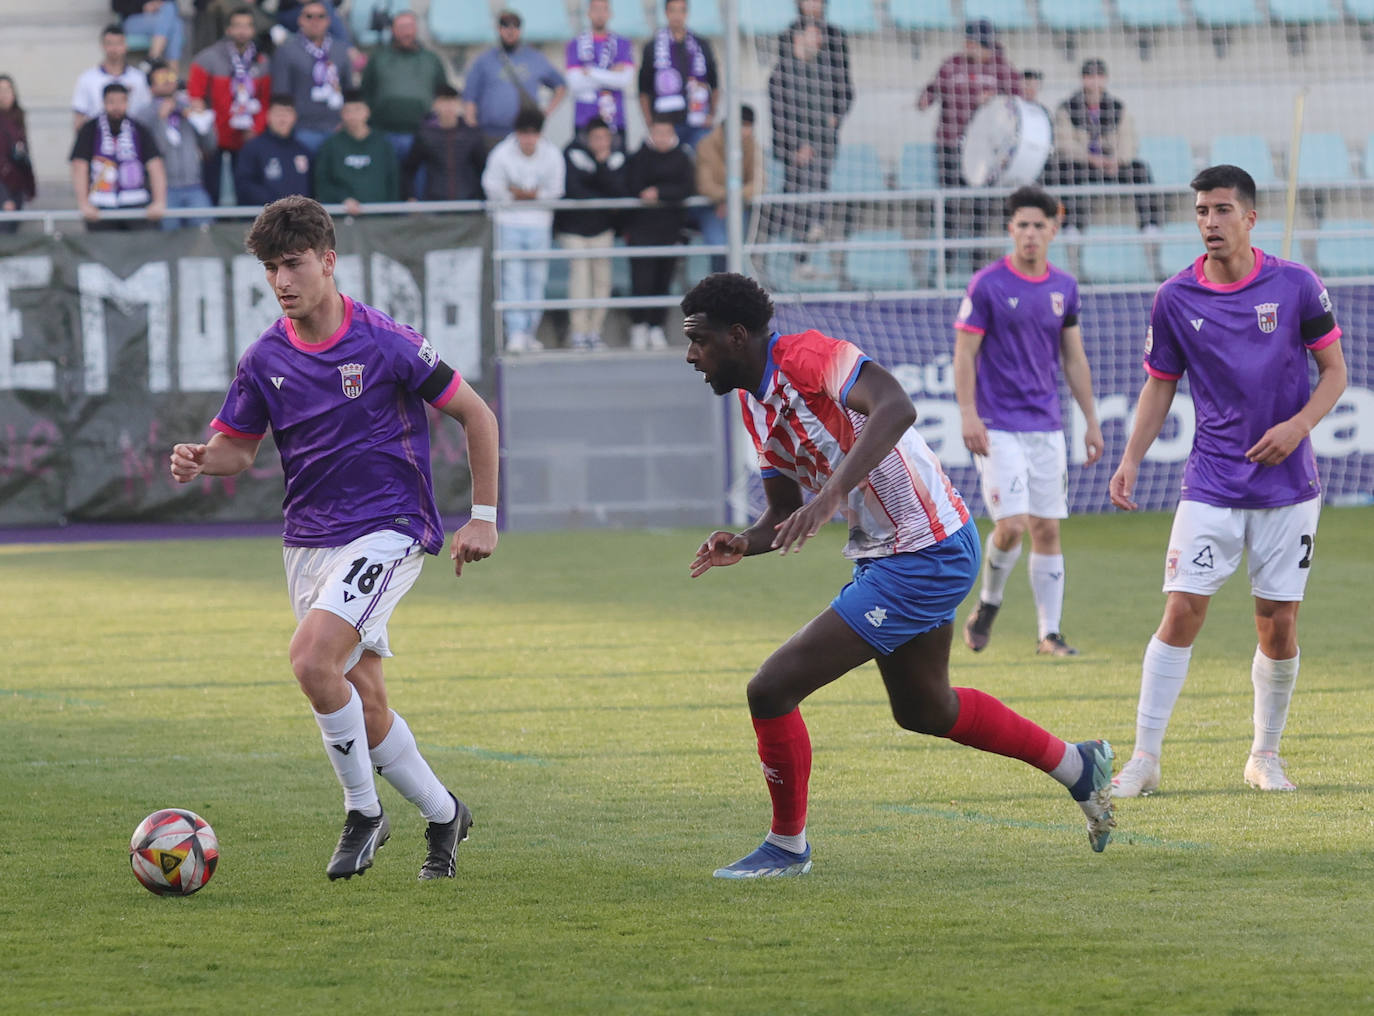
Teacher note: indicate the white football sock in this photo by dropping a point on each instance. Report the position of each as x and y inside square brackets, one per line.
[796, 844]
[1162, 674]
[996, 570]
[1274, 681]
[1047, 588]
[345, 742]
[400, 763]
[1070, 768]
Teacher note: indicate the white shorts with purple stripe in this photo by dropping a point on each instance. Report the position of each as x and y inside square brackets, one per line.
[361, 583]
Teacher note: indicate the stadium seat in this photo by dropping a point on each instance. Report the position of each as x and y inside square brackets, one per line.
[878, 269]
[780, 271]
[1303, 12]
[544, 21]
[703, 18]
[1323, 159]
[1345, 255]
[627, 19]
[917, 170]
[360, 18]
[453, 23]
[857, 168]
[923, 15]
[1005, 14]
[695, 267]
[1227, 12]
[1177, 246]
[1074, 15]
[1268, 236]
[1115, 261]
[1169, 157]
[762, 18]
[556, 286]
[1361, 11]
[1152, 14]
[1248, 151]
[857, 17]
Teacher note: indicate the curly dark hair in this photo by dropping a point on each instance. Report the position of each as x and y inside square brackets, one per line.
[288, 225]
[728, 298]
[1031, 196]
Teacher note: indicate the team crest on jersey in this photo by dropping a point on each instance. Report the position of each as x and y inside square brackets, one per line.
[352, 379]
[1149, 339]
[1268, 314]
[1057, 304]
[965, 308]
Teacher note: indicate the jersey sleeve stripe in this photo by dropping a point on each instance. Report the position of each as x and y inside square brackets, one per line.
[228, 431]
[1325, 340]
[1162, 375]
[448, 393]
[853, 376]
[960, 326]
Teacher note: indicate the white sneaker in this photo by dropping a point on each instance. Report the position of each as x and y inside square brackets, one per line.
[657, 340]
[639, 336]
[523, 342]
[1138, 778]
[1265, 772]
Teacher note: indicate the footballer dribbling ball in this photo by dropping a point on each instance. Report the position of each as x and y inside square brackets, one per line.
[173, 852]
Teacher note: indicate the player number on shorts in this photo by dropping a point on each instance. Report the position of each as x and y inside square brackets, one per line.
[1306, 541]
[368, 578]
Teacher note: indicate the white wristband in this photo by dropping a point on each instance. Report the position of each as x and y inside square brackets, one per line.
[484, 512]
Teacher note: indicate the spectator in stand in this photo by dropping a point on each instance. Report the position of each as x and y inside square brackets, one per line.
[115, 166]
[809, 94]
[505, 81]
[211, 21]
[1031, 81]
[88, 100]
[313, 67]
[16, 170]
[524, 167]
[677, 77]
[160, 21]
[595, 170]
[601, 70]
[400, 82]
[274, 164]
[289, 16]
[231, 78]
[1095, 142]
[445, 163]
[356, 165]
[184, 140]
[711, 180]
[662, 174]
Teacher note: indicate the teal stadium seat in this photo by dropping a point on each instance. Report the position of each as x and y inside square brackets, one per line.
[1268, 237]
[1152, 14]
[878, 269]
[1248, 151]
[544, 21]
[455, 23]
[857, 17]
[360, 19]
[703, 18]
[781, 275]
[924, 15]
[762, 18]
[1169, 157]
[627, 19]
[1115, 261]
[917, 170]
[1006, 15]
[1361, 11]
[857, 168]
[1303, 12]
[1345, 255]
[1177, 246]
[1323, 159]
[1074, 15]
[556, 286]
[1369, 157]
[695, 268]
[1227, 12]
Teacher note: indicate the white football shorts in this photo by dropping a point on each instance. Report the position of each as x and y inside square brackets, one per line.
[1025, 473]
[361, 583]
[1206, 543]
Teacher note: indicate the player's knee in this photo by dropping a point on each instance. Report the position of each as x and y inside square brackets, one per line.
[768, 694]
[928, 717]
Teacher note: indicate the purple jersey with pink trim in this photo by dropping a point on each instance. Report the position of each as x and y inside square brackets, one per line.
[348, 418]
[1244, 348]
[600, 52]
[1021, 320]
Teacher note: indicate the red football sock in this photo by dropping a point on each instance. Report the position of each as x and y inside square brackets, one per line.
[785, 751]
[988, 725]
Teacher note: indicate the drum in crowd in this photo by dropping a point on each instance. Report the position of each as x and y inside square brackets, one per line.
[1006, 143]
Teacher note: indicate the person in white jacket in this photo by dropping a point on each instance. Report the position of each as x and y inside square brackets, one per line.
[523, 167]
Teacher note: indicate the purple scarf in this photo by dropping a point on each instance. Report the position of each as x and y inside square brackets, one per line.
[243, 104]
[118, 179]
[671, 93]
[324, 74]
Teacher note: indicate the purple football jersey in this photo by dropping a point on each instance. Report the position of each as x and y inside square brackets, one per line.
[1021, 320]
[600, 52]
[350, 424]
[1244, 348]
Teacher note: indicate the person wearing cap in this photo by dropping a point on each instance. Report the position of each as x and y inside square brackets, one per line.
[1031, 80]
[506, 79]
[711, 180]
[1095, 142]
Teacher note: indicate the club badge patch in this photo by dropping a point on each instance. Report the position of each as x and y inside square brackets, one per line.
[1149, 339]
[1057, 304]
[352, 379]
[1171, 565]
[1268, 314]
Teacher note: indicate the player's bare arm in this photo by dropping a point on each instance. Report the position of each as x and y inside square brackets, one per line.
[476, 540]
[1080, 380]
[1151, 410]
[723, 548]
[1278, 442]
[878, 396]
[221, 456]
[966, 346]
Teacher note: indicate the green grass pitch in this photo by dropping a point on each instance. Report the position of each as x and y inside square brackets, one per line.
[587, 699]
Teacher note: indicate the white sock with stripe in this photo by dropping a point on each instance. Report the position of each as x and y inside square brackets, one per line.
[345, 742]
[399, 762]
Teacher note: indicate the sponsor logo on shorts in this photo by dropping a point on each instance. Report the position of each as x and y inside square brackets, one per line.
[876, 617]
[1204, 558]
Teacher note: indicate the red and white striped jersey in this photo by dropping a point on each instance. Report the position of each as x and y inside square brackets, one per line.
[802, 429]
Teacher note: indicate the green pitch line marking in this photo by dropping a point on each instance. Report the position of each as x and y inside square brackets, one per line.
[976, 818]
[487, 754]
[47, 696]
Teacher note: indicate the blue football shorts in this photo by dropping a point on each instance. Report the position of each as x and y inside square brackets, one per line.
[893, 599]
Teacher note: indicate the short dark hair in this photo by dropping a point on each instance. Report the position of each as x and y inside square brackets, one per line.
[1031, 74]
[113, 28]
[354, 95]
[746, 114]
[241, 11]
[282, 99]
[445, 91]
[1031, 196]
[667, 118]
[596, 124]
[1226, 175]
[288, 225]
[114, 86]
[1093, 65]
[728, 298]
[529, 119]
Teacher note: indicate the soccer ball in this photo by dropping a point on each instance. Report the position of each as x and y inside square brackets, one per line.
[173, 852]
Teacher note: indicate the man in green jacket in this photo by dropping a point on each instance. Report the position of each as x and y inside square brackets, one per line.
[399, 83]
[356, 165]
